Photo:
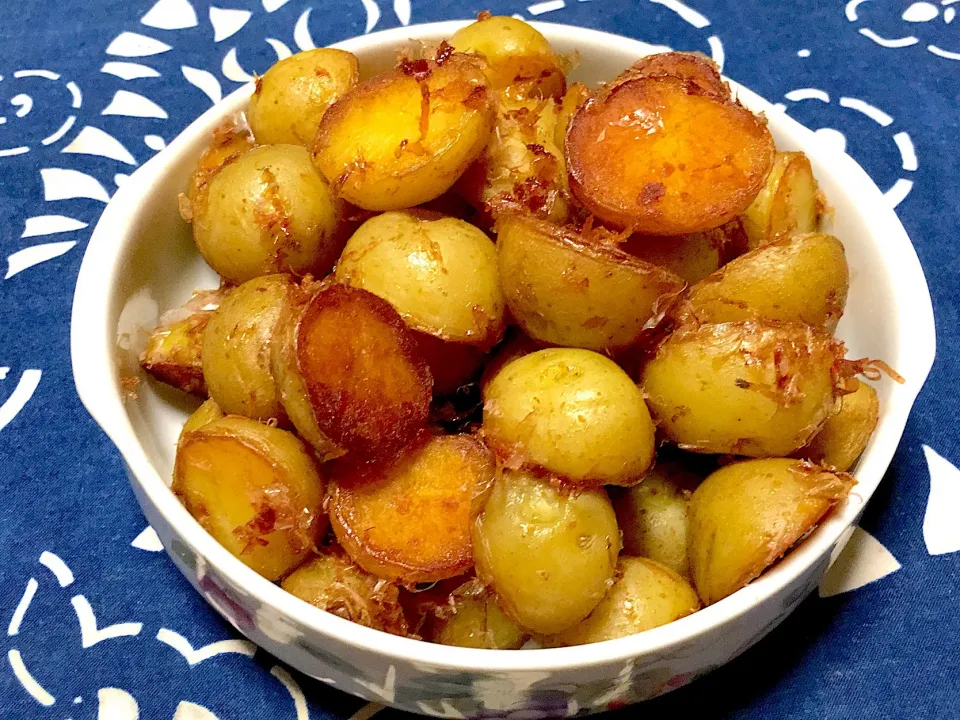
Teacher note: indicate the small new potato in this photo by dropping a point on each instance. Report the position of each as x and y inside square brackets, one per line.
[292, 96]
[789, 202]
[644, 595]
[549, 552]
[747, 515]
[231, 139]
[843, 437]
[207, 413]
[691, 257]
[267, 211]
[439, 273]
[572, 412]
[747, 388]
[256, 489]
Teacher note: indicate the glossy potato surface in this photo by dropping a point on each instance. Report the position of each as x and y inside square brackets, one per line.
[255, 489]
[843, 437]
[231, 139]
[572, 412]
[695, 69]
[549, 553]
[745, 516]
[788, 203]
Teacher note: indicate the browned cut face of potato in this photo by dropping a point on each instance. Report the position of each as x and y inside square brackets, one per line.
[231, 139]
[645, 595]
[843, 437]
[790, 201]
[748, 388]
[802, 278]
[292, 96]
[691, 257]
[332, 582]
[696, 69]
[236, 349]
[207, 413]
[549, 552]
[408, 519]
[747, 515]
[403, 138]
[256, 489]
[661, 156]
[575, 96]
[267, 211]
[563, 289]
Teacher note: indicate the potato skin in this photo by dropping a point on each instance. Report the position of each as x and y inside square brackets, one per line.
[747, 515]
[255, 488]
[403, 138]
[564, 290]
[644, 595]
[802, 278]
[292, 96]
[749, 388]
[694, 69]
[843, 437]
[267, 211]
[439, 273]
[207, 413]
[231, 139]
[790, 201]
[548, 552]
[236, 349]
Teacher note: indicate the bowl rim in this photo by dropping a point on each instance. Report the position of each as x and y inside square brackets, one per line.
[93, 344]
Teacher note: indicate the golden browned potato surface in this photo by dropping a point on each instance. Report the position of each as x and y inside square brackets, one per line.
[695, 69]
[843, 437]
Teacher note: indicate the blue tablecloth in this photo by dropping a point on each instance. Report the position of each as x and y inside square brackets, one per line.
[98, 621]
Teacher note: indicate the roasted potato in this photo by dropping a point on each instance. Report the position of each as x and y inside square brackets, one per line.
[696, 69]
[408, 519]
[517, 344]
[439, 273]
[691, 257]
[236, 349]
[564, 290]
[745, 516]
[747, 388]
[651, 155]
[256, 489]
[645, 595]
[292, 96]
[549, 552]
[267, 211]
[790, 202]
[231, 139]
[207, 413]
[843, 437]
[575, 96]
[572, 412]
[332, 582]
[801, 278]
[403, 138]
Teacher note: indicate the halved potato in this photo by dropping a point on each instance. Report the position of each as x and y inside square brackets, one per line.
[645, 595]
[231, 139]
[575, 96]
[790, 202]
[564, 290]
[747, 515]
[691, 257]
[843, 437]
[403, 138]
[694, 68]
[746, 388]
[409, 519]
[256, 489]
[662, 157]
[207, 413]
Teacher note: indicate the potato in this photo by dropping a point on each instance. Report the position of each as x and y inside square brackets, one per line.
[207, 413]
[409, 519]
[520, 61]
[843, 437]
[573, 413]
[645, 595]
[691, 257]
[349, 354]
[451, 364]
[403, 138]
[256, 489]
[654, 156]
[653, 516]
[236, 349]
[517, 344]
[790, 202]
[747, 515]
[575, 96]
[802, 278]
[332, 582]
[549, 552]
[266, 212]
[439, 273]
[231, 139]
[695, 69]
[292, 96]
[564, 290]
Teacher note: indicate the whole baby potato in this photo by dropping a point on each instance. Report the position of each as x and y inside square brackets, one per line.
[746, 388]
[790, 202]
[268, 211]
[745, 516]
[256, 489]
[292, 96]
[549, 552]
[843, 437]
[572, 412]
[236, 349]
[439, 273]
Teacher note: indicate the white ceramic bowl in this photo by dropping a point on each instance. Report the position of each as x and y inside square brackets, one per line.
[141, 260]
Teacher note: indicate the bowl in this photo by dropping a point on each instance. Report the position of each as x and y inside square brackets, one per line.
[141, 260]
